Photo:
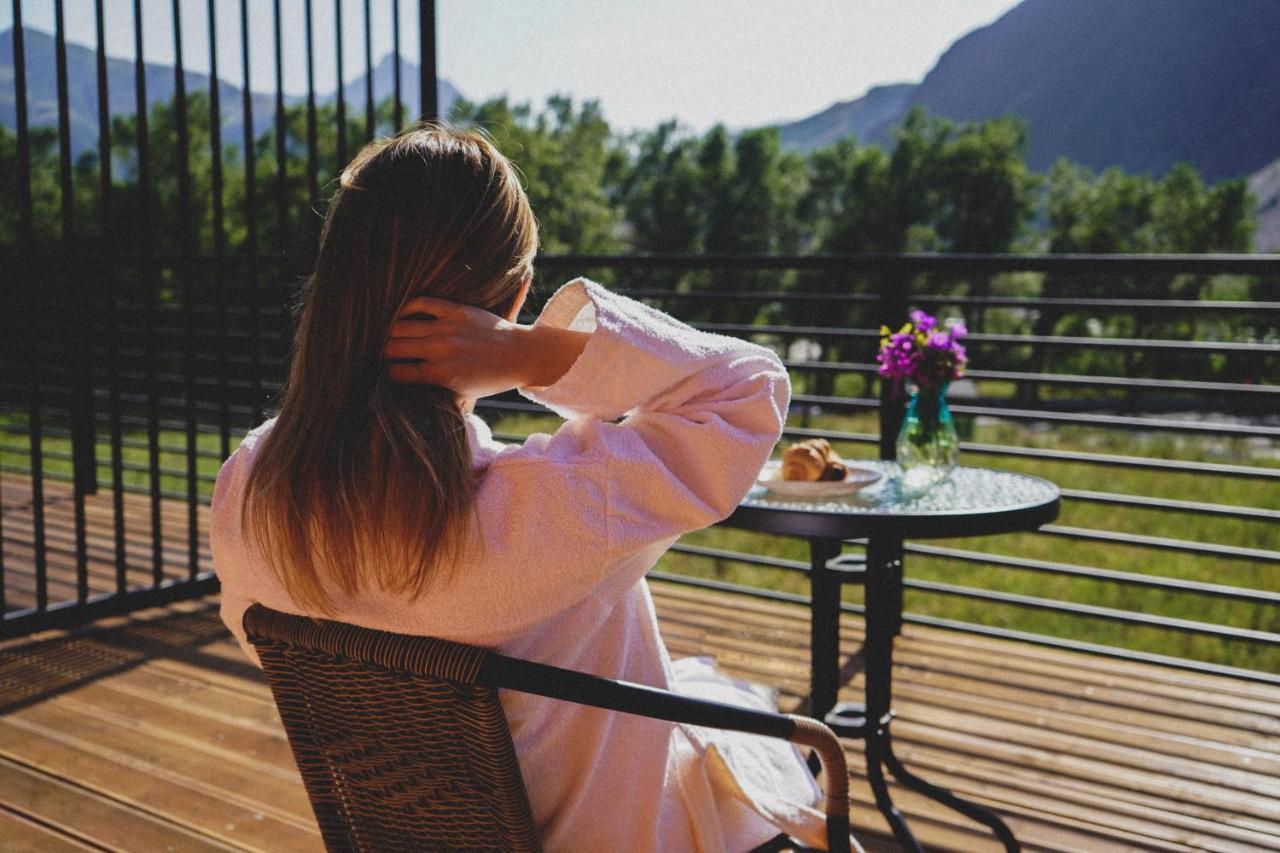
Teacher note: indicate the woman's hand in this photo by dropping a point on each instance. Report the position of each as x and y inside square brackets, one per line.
[473, 352]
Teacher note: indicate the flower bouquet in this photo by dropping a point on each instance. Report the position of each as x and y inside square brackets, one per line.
[929, 356]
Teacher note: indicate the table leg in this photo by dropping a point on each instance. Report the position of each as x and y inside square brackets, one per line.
[883, 592]
[824, 632]
[883, 622]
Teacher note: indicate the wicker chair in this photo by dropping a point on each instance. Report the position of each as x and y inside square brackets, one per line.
[402, 744]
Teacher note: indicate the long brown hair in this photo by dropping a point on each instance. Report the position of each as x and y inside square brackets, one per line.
[362, 479]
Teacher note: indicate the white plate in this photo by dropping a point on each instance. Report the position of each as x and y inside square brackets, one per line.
[854, 479]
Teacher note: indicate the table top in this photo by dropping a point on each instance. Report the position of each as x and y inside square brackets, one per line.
[971, 502]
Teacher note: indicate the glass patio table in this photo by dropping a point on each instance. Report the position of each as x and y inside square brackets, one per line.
[972, 502]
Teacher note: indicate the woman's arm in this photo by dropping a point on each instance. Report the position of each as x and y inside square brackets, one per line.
[666, 429]
[476, 353]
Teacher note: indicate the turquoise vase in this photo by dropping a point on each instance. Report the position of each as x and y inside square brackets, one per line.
[928, 446]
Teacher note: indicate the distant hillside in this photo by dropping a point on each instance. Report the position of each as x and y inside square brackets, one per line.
[861, 117]
[82, 100]
[1140, 84]
[1265, 185]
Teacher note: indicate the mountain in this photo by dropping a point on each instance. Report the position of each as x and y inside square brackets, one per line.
[1140, 84]
[384, 75]
[861, 117]
[82, 90]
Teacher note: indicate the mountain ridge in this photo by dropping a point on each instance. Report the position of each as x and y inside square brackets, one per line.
[1163, 82]
[160, 80]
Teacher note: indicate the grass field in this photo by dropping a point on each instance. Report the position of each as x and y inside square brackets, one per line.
[1211, 488]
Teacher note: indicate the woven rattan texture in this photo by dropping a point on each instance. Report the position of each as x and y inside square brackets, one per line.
[395, 760]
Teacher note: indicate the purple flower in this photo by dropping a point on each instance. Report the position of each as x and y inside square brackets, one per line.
[922, 352]
[957, 328]
[922, 321]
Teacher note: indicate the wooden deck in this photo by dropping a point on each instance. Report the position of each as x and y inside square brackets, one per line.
[153, 733]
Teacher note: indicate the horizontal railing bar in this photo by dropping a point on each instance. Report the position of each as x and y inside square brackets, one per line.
[1002, 450]
[1207, 305]
[103, 466]
[729, 586]
[1163, 543]
[1152, 464]
[1020, 340]
[1122, 382]
[1256, 264]
[1094, 611]
[103, 420]
[67, 613]
[784, 296]
[1248, 513]
[1043, 566]
[1085, 418]
[142, 489]
[1202, 264]
[1114, 652]
[741, 557]
[1109, 575]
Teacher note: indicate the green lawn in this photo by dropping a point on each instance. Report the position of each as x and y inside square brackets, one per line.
[14, 455]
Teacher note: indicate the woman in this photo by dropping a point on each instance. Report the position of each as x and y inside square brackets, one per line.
[378, 498]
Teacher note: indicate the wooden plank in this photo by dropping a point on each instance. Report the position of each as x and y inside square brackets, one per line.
[1134, 735]
[19, 834]
[222, 740]
[160, 785]
[91, 816]
[939, 643]
[935, 651]
[160, 716]
[1095, 793]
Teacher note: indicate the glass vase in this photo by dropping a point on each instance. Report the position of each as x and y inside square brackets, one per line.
[928, 446]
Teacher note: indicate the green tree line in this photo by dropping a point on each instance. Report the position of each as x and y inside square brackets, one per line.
[941, 186]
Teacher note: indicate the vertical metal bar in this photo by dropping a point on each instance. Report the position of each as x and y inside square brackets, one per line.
[370, 119]
[397, 117]
[313, 157]
[73, 321]
[219, 237]
[250, 156]
[147, 271]
[824, 627]
[186, 272]
[26, 235]
[250, 213]
[427, 57]
[882, 551]
[341, 95]
[113, 294]
[282, 171]
[893, 305]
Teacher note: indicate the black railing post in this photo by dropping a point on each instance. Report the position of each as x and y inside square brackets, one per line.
[430, 95]
[113, 313]
[893, 306]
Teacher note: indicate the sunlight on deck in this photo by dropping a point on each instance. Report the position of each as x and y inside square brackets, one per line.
[154, 733]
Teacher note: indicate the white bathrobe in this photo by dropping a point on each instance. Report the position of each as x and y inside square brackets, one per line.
[570, 523]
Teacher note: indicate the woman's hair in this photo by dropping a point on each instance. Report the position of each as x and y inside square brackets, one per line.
[362, 478]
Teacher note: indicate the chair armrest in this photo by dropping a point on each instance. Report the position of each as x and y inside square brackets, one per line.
[567, 685]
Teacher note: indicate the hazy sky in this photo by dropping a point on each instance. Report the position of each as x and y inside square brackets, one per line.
[746, 62]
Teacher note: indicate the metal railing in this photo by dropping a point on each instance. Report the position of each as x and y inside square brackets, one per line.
[155, 337]
[130, 369]
[1240, 402]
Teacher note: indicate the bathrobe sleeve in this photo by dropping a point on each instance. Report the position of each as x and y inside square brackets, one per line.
[671, 423]
[666, 429]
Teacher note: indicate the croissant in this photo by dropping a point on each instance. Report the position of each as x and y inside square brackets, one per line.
[803, 462]
[812, 460]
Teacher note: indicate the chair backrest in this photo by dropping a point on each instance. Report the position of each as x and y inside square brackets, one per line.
[398, 746]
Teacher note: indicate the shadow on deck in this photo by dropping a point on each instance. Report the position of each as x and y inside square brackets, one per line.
[152, 733]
